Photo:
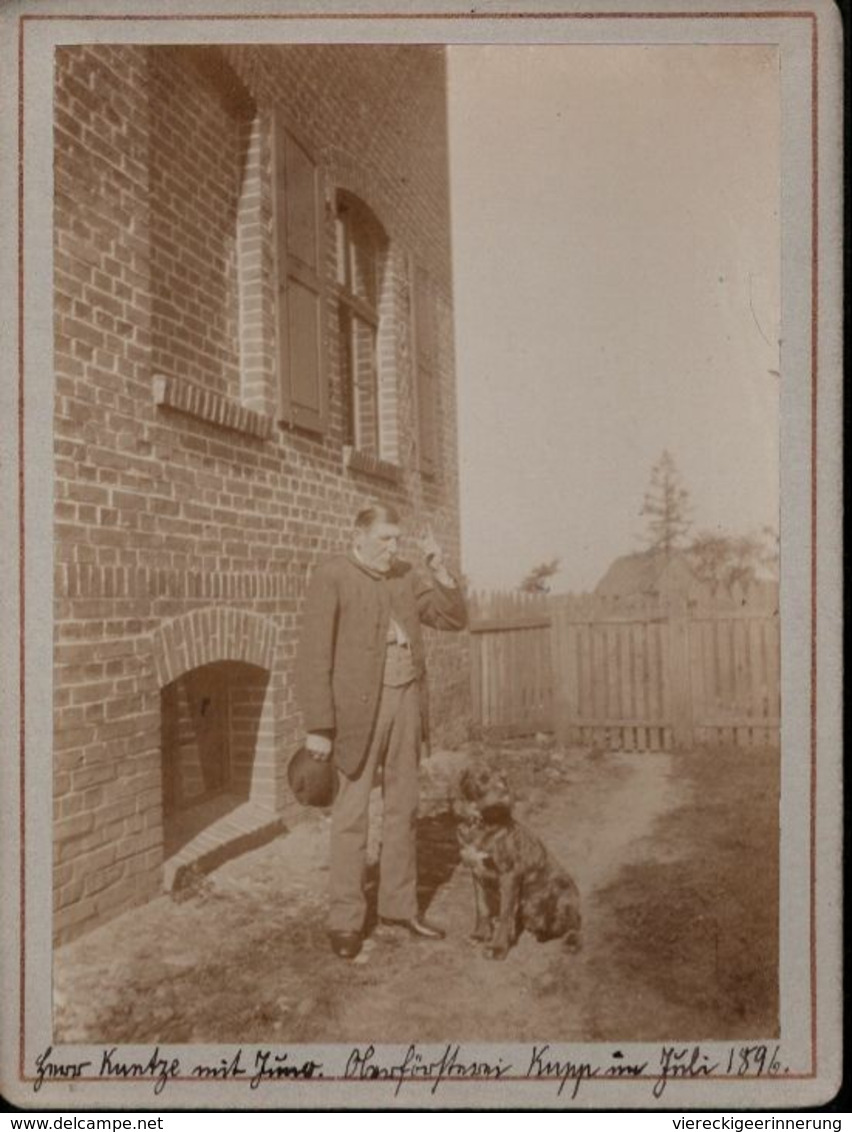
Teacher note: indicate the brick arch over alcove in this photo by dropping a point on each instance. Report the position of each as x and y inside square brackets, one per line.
[209, 635]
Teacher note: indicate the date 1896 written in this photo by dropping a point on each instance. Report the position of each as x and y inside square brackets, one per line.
[754, 1061]
[685, 1063]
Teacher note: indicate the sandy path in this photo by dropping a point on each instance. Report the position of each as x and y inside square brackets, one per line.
[246, 958]
[593, 823]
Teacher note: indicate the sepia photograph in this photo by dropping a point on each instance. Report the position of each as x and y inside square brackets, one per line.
[412, 482]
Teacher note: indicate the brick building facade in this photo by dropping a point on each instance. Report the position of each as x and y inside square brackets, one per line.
[253, 335]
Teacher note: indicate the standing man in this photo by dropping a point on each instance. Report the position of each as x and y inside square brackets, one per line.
[360, 682]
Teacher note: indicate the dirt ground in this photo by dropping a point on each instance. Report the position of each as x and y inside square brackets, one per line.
[674, 855]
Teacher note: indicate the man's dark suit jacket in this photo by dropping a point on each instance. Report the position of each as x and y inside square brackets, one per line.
[343, 640]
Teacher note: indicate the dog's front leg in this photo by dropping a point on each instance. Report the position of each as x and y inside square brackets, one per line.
[484, 923]
[510, 888]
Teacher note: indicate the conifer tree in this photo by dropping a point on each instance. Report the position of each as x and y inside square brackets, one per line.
[666, 507]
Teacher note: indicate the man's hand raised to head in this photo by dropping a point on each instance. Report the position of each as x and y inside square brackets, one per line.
[434, 556]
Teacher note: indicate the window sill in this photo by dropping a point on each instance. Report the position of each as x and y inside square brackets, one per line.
[357, 461]
[195, 401]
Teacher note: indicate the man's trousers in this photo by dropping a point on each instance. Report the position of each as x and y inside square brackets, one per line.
[395, 746]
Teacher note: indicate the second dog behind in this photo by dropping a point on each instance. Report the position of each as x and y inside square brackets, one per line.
[518, 885]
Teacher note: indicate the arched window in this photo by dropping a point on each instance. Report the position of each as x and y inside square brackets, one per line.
[361, 253]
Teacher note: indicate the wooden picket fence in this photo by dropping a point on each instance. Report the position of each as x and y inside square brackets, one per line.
[511, 663]
[637, 673]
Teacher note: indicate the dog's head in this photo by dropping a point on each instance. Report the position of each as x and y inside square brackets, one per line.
[487, 793]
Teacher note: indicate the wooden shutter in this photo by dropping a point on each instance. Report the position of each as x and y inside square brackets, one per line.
[427, 375]
[303, 394]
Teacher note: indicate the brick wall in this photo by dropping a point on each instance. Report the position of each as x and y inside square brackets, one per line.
[186, 517]
[198, 151]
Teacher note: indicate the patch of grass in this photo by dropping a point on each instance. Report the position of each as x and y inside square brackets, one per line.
[696, 922]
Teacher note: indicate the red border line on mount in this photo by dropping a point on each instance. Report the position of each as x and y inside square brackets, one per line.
[22, 990]
[814, 389]
[406, 1082]
[221, 16]
[420, 16]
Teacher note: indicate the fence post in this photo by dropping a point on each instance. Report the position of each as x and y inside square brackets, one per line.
[678, 675]
[564, 709]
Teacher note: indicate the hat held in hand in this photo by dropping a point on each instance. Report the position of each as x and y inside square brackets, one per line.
[313, 781]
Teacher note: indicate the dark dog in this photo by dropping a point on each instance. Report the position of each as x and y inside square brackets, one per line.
[518, 885]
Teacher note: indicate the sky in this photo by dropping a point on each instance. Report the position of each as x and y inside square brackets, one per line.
[616, 252]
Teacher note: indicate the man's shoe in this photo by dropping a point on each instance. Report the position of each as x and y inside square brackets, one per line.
[416, 927]
[345, 944]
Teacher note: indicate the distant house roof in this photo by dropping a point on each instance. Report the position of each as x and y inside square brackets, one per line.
[646, 572]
